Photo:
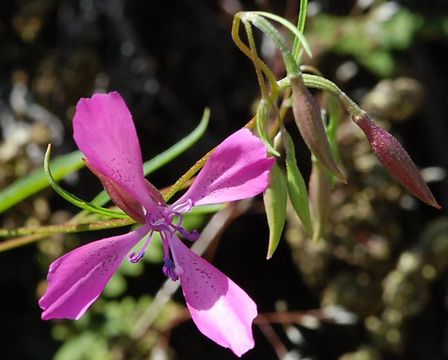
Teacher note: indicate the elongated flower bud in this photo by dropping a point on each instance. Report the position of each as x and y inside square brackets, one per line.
[309, 121]
[395, 159]
[319, 192]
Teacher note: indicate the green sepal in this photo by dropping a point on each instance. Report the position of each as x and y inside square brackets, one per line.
[275, 198]
[297, 191]
[73, 198]
[262, 120]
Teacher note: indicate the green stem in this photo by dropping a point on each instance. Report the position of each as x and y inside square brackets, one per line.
[74, 199]
[265, 26]
[317, 82]
[66, 228]
[253, 49]
[256, 60]
[301, 21]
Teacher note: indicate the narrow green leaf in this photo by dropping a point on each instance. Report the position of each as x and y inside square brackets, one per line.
[178, 148]
[275, 204]
[168, 155]
[298, 34]
[301, 21]
[66, 164]
[292, 69]
[73, 198]
[36, 181]
[297, 191]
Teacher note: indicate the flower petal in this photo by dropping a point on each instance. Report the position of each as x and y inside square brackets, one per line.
[238, 169]
[76, 279]
[221, 310]
[105, 133]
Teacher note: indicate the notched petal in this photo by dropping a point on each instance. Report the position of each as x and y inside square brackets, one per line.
[221, 310]
[238, 169]
[76, 279]
[104, 131]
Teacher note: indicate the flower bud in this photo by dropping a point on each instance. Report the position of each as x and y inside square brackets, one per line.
[319, 192]
[395, 159]
[309, 121]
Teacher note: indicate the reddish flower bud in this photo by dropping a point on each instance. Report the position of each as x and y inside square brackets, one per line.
[395, 159]
[309, 121]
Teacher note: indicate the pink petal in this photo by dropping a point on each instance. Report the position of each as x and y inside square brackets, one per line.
[220, 309]
[76, 279]
[105, 133]
[238, 169]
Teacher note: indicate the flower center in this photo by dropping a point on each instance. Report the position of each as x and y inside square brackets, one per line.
[167, 221]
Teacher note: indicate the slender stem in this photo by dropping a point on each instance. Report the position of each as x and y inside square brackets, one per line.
[246, 51]
[30, 235]
[73, 198]
[311, 81]
[253, 49]
[65, 228]
[301, 21]
[265, 26]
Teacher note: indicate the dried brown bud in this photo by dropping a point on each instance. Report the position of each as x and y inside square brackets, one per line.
[309, 121]
[395, 159]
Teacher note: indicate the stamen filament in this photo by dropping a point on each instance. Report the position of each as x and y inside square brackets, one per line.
[136, 257]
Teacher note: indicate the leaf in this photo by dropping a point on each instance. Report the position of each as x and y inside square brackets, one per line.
[275, 204]
[297, 33]
[168, 155]
[73, 198]
[297, 191]
[36, 181]
[65, 165]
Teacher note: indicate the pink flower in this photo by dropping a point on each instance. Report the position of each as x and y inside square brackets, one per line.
[238, 169]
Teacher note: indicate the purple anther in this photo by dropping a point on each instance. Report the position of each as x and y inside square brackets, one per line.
[192, 236]
[136, 257]
[169, 269]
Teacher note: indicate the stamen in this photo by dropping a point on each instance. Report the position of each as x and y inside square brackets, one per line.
[136, 257]
[169, 269]
[183, 207]
[192, 236]
[177, 226]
